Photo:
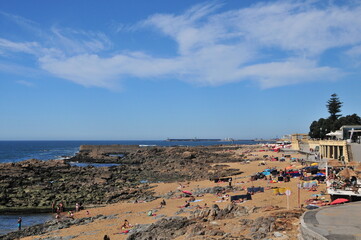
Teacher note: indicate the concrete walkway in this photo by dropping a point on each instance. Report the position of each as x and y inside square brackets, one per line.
[335, 222]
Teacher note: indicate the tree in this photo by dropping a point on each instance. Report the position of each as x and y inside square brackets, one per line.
[319, 129]
[334, 107]
[348, 120]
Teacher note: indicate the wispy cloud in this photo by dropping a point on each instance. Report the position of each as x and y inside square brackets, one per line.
[25, 83]
[76, 42]
[24, 47]
[272, 43]
[24, 23]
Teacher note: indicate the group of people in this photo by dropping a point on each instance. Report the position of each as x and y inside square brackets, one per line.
[338, 182]
[60, 208]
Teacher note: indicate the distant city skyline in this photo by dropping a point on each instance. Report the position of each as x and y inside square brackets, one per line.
[152, 70]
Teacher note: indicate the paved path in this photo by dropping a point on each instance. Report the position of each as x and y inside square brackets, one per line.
[336, 222]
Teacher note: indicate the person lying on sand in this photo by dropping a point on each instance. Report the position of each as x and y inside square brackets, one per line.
[185, 205]
[222, 200]
[71, 214]
[238, 201]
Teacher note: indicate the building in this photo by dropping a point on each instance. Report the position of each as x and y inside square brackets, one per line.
[343, 145]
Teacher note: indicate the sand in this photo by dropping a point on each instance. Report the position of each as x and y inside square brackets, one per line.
[136, 213]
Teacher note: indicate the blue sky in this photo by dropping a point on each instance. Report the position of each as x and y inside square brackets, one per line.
[155, 69]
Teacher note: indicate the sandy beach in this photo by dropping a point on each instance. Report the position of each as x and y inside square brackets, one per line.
[136, 213]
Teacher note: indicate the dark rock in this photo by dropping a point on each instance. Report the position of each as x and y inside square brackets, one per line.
[188, 155]
[214, 232]
[230, 211]
[166, 228]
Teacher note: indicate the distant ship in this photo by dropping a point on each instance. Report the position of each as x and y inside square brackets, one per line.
[192, 140]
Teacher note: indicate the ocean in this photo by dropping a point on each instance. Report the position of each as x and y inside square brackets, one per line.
[15, 151]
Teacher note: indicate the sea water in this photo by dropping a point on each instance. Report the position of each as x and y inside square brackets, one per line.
[15, 151]
[9, 223]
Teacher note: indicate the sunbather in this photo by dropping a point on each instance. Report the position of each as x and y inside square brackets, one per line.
[126, 224]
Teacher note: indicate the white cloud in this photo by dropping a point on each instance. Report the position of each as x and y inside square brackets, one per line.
[274, 44]
[91, 70]
[293, 71]
[25, 47]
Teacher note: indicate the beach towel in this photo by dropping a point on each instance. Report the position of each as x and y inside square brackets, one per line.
[279, 191]
[187, 192]
[255, 189]
[244, 196]
[309, 184]
[216, 180]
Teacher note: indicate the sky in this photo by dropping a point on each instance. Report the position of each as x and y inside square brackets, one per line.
[140, 69]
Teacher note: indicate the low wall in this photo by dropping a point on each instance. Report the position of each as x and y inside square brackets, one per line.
[306, 233]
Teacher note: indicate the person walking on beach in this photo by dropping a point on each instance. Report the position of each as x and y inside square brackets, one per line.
[19, 223]
[53, 207]
[77, 207]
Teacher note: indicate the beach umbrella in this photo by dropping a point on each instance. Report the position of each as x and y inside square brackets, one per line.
[187, 192]
[339, 201]
[335, 163]
[358, 168]
[347, 173]
[314, 164]
[353, 164]
[320, 174]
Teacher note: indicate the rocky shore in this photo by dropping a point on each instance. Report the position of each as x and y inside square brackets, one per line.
[150, 175]
[33, 185]
[201, 224]
[204, 224]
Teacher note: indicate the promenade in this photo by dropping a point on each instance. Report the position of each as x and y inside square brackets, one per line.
[335, 222]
